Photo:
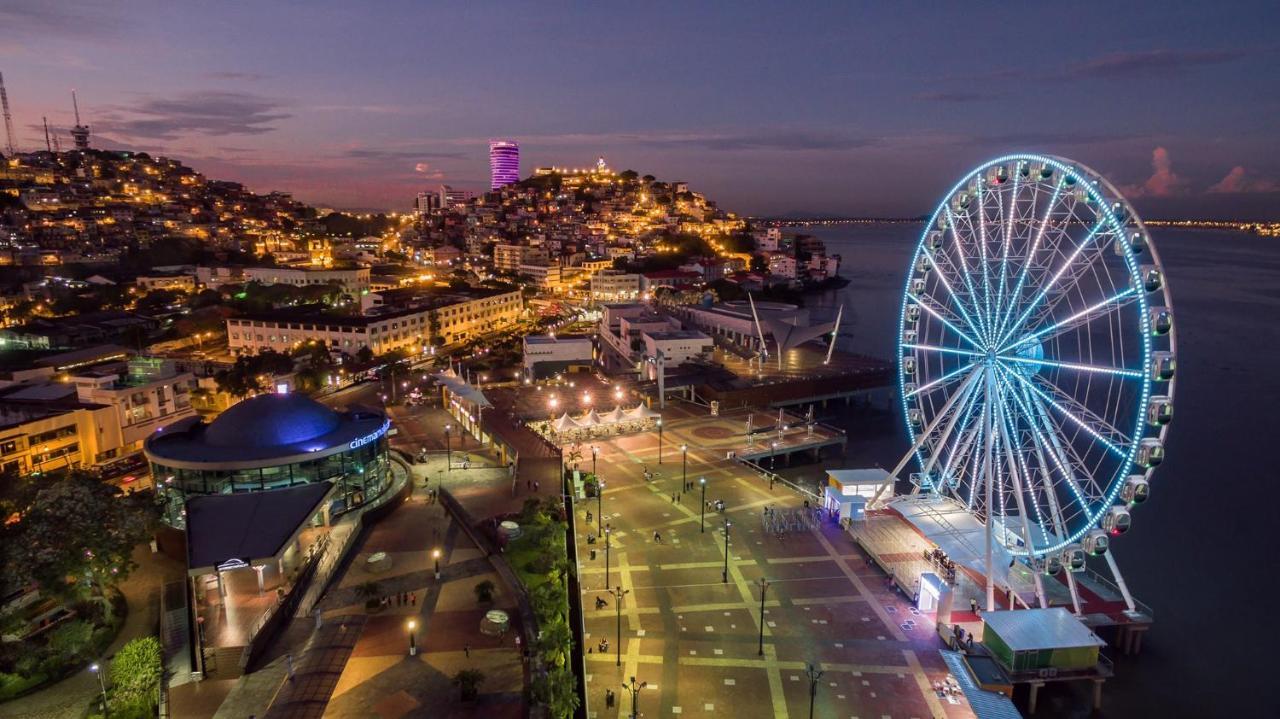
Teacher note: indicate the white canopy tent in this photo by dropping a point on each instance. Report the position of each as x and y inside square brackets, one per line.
[565, 423]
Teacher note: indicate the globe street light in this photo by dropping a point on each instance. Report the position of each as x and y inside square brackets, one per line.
[435, 554]
[448, 449]
[618, 594]
[773, 450]
[684, 466]
[727, 524]
[703, 520]
[764, 587]
[106, 712]
[659, 440]
[607, 532]
[413, 638]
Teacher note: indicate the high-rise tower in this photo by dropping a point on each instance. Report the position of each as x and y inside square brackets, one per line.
[504, 163]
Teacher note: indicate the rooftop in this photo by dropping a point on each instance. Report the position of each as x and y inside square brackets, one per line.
[1025, 630]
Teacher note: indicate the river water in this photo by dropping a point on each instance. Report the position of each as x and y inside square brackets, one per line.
[1202, 551]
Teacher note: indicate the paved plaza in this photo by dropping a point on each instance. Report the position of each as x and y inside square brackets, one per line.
[694, 637]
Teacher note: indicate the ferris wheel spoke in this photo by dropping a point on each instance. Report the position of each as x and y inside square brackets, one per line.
[1013, 456]
[1084, 269]
[955, 298]
[1031, 253]
[1079, 415]
[1046, 437]
[982, 244]
[942, 381]
[1115, 371]
[935, 311]
[965, 273]
[944, 350]
[1044, 291]
[960, 447]
[1083, 317]
[1008, 221]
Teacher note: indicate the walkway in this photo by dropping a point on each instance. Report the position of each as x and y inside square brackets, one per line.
[72, 695]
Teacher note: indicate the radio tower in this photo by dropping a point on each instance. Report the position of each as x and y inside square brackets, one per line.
[80, 133]
[8, 120]
[47, 146]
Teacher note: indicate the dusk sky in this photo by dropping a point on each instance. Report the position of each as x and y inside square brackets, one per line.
[830, 108]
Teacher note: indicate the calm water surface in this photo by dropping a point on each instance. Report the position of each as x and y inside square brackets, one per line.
[1202, 552]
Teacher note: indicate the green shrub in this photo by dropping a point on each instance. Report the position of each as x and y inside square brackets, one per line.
[71, 638]
[11, 685]
[136, 671]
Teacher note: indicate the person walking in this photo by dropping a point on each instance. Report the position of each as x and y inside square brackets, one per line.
[466, 648]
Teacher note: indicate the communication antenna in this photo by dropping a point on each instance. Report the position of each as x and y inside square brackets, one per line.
[47, 146]
[8, 119]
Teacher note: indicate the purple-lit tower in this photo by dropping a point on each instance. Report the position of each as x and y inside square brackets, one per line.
[504, 163]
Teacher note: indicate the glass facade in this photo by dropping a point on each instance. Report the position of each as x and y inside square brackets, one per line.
[360, 475]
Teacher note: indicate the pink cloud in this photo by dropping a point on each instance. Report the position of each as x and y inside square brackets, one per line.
[1238, 181]
[1164, 182]
[425, 170]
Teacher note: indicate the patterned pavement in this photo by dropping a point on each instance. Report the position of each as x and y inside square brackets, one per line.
[695, 638]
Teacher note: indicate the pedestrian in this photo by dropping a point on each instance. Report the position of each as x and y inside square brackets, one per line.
[973, 605]
[413, 599]
[466, 648]
[657, 537]
[536, 485]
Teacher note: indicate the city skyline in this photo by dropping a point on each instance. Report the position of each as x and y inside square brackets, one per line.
[362, 109]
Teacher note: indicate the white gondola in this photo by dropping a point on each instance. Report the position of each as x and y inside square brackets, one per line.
[909, 388]
[913, 313]
[918, 285]
[1117, 521]
[942, 222]
[1136, 490]
[935, 240]
[1152, 279]
[909, 337]
[1052, 565]
[1073, 558]
[960, 202]
[1159, 411]
[1150, 452]
[923, 266]
[1046, 171]
[1096, 542]
[999, 174]
[1163, 366]
[908, 366]
[1024, 169]
[1120, 211]
[916, 417]
[921, 480]
[1161, 321]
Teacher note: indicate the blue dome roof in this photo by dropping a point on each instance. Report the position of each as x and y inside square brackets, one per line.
[271, 420]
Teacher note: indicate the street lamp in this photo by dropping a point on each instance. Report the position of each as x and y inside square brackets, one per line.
[607, 532]
[599, 503]
[618, 594]
[727, 524]
[764, 587]
[703, 520]
[435, 554]
[659, 440]
[814, 674]
[448, 449]
[595, 452]
[106, 712]
[413, 638]
[773, 450]
[551, 406]
[634, 688]
[684, 466]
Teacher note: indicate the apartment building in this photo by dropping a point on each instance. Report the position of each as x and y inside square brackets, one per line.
[448, 319]
[354, 282]
[508, 258]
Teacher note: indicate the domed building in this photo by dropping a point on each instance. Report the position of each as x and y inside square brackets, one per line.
[268, 442]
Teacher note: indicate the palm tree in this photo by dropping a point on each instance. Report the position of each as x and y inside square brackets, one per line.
[561, 693]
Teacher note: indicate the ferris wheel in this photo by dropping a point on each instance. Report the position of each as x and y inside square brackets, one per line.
[1037, 358]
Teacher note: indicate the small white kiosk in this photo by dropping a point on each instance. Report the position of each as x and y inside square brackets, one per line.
[849, 490]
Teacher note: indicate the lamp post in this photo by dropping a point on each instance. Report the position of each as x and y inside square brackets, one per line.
[634, 688]
[764, 587]
[814, 674]
[703, 519]
[106, 712]
[435, 554]
[659, 440]
[684, 466]
[413, 638]
[618, 594]
[448, 449]
[595, 454]
[551, 408]
[607, 532]
[599, 502]
[773, 451]
[727, 524]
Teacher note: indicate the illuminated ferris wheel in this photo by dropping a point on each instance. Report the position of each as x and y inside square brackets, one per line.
[1037, 357]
